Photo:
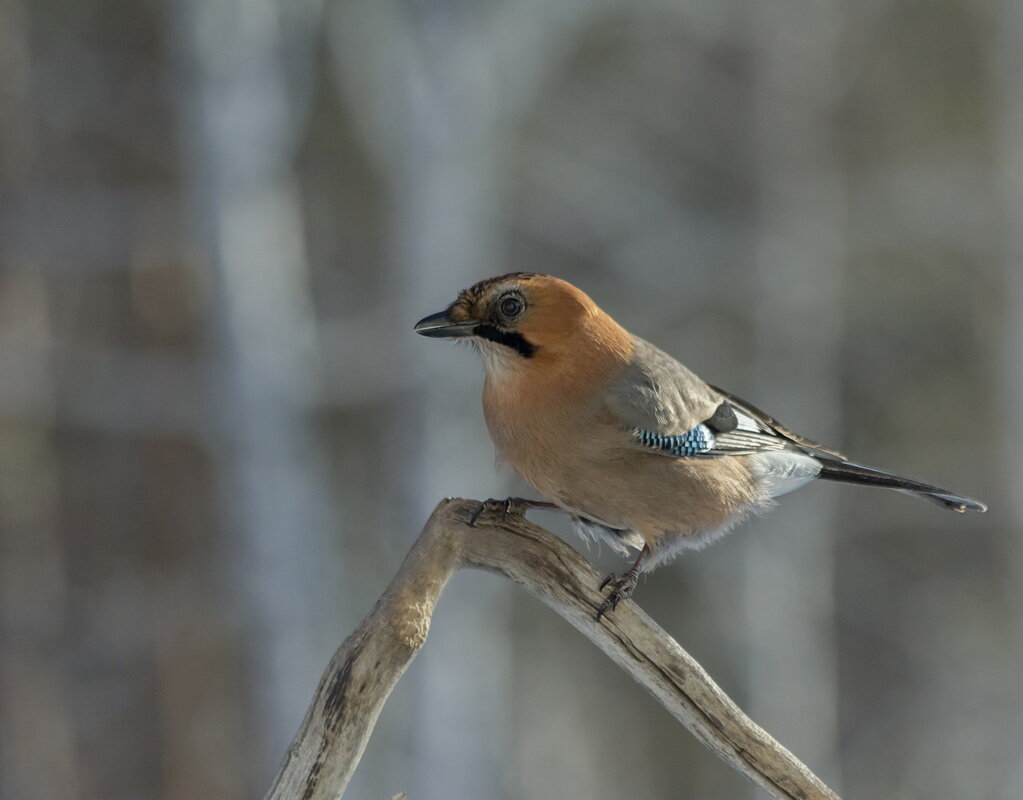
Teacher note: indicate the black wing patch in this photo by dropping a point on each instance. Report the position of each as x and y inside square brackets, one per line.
[771, 424]
[723, 420]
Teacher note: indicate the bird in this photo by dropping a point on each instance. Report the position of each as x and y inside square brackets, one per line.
[638, 450]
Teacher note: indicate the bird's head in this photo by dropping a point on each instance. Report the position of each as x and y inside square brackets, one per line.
[524, 319]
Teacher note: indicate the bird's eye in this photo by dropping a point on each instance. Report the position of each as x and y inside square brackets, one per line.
[511, 306]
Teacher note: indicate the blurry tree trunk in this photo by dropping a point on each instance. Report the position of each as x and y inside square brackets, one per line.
[1008, 78]
[240, 124]
[417, 81]
[38, 753]
[461, 533]
[430, 86]
[800, 259]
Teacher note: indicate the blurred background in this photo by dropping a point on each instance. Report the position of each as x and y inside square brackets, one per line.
[219, 220]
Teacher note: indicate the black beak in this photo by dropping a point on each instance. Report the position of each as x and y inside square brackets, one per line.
[438, 326]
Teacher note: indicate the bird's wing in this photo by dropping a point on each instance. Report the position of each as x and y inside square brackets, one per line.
[665, 409]
[729, 431]
[769, 423]
[669, 409]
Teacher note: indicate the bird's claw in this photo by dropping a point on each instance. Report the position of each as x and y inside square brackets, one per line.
[621, 589]
[512, 505]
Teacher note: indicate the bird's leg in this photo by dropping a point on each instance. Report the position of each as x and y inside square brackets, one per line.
[516, 503]
[511, 505]
[623, 588]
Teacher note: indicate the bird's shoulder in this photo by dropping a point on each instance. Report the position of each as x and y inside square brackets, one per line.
[657, 393]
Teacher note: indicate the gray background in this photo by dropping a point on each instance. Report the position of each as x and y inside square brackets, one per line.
[219, 220]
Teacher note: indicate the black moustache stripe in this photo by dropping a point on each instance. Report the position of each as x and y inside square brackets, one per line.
[516, 341]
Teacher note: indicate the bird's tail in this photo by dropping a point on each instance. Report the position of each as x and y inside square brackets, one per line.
[846, 472]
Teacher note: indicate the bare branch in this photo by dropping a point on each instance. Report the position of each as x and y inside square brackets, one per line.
[369, 663]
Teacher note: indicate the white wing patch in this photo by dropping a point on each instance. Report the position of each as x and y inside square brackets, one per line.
[746, 422]
[748, 437]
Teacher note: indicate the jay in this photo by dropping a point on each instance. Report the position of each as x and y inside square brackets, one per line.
[641, 452]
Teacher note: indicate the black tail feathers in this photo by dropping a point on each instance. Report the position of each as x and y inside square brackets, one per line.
[846, 472]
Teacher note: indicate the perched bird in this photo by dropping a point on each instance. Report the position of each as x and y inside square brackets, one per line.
[640, 451]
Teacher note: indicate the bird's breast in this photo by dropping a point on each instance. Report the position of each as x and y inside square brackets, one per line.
[523, 433]
[543, 435]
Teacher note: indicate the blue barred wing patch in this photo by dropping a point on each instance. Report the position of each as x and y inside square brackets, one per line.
[693, 442]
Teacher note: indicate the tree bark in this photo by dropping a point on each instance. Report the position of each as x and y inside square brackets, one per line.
[496, 538]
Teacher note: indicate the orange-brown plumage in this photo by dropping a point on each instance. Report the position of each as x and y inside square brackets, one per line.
[636, 447]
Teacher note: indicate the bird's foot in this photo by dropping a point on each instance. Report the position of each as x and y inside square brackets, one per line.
[621, 589]
[501, 509]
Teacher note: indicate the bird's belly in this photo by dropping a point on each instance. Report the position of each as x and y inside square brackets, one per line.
[648, 493]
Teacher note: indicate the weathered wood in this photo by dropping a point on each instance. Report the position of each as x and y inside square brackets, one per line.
[465, 533]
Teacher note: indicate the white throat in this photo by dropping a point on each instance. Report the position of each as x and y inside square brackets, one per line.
[498, 360]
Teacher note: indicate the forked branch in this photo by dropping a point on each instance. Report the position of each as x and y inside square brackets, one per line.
[466, 533]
